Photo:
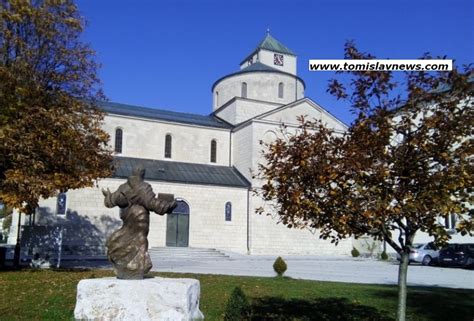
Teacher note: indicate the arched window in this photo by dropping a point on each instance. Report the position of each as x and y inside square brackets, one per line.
[61, 202]
[280, 90]
[228, 211]
[181, 208]
[118, 140]
[217, 99]
[168, 143]
[213, 151]
[244, 90]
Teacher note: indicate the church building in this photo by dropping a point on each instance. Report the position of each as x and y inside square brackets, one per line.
[206, 161]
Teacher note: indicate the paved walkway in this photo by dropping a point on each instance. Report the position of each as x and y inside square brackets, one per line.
[337, 269]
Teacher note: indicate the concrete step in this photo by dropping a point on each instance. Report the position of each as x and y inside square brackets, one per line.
[178, 248]
[186, 253]
[182, 250]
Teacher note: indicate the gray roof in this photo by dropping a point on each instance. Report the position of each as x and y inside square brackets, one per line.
[167, 115]
[256, 67]
[178, 172]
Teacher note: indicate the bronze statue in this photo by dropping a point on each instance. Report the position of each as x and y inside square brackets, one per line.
[127, 248]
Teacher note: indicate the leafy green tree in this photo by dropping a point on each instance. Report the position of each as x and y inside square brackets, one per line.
[405, 161]
[50, 127]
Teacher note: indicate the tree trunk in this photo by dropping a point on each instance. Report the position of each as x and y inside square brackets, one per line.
[16, 256]
[402, 286]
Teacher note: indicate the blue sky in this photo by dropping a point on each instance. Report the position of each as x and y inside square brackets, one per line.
[167, 54]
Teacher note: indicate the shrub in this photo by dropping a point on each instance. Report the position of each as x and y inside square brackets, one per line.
[279, 266]
[384, 256]
[355, 252]
[237, 307]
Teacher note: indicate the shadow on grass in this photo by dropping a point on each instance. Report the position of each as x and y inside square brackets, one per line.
[437, 304]
[28, 269]
[12, 269]
[328, 309]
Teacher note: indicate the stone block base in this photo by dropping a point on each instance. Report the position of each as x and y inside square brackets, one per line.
[145, 300]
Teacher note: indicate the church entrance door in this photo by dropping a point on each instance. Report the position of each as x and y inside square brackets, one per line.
[177, 226]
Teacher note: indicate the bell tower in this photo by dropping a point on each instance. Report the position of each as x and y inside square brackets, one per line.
[266, 80]
[272, 53]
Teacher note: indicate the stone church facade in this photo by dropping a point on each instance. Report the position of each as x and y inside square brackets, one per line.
[206, 161]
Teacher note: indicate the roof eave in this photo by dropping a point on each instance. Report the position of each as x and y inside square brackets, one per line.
[258, 48]
[250, 71]
[108, 108]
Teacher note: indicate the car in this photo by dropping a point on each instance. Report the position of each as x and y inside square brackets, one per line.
[457, 255]
[425, 254]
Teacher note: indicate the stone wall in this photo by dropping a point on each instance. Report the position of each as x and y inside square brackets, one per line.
[144, 138]
[267, 57]
[242, 146]
[289, 62]
[260, 86]
[239, 109]
[207, 225]
[88, 222]
[269, 237]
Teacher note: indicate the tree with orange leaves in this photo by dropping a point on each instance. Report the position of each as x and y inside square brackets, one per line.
[405, 161]
[50, 128]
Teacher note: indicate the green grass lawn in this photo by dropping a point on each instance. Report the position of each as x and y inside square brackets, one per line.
[51, 295]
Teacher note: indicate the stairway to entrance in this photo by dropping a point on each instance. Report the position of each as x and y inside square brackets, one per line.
[186, 253]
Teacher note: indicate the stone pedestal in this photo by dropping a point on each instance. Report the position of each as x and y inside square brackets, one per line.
[148, 299]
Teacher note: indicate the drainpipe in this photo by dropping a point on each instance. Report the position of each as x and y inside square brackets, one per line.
[16, 256]
[248, 221]
[230, 147]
